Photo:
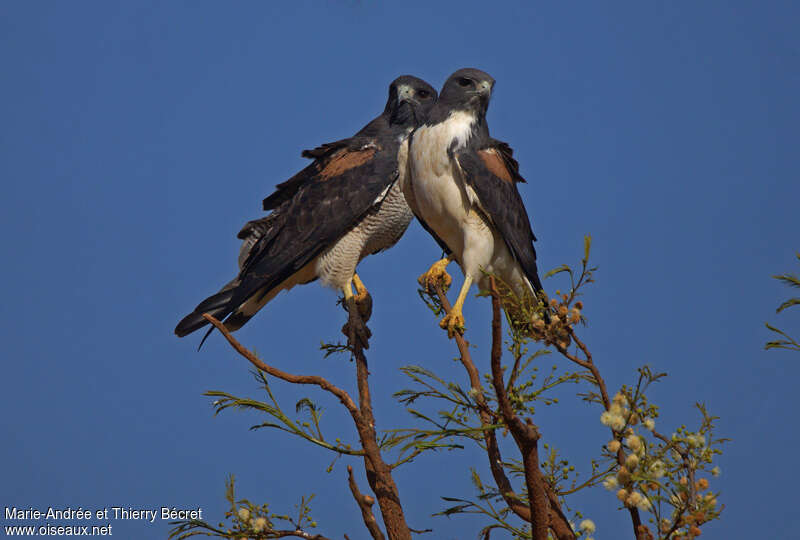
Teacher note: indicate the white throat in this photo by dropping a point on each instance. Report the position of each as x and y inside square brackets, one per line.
[458, 128]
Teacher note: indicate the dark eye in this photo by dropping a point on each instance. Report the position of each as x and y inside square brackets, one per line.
[463, 81]
[423, 94]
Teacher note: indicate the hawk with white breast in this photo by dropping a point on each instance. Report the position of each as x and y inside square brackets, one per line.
[461, 185]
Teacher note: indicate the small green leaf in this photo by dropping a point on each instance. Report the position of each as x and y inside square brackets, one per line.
[557, 270]
[587, 245]
[788, 303]
[305, 403]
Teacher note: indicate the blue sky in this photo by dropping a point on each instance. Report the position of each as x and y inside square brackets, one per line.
[136, 138]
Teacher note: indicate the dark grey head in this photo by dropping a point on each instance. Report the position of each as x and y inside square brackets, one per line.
[410, 101]
[467, 89]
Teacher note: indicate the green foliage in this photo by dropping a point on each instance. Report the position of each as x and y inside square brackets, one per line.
[334, 348]
[308, 430]
[644, 470]
[448, 425]
[666, 478]
[247, 520]
[786, 342]
[490, 503]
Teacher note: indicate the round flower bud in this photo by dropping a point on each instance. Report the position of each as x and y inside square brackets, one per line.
[634, 499]
[259, 524]
[610, 483]
[623, 475]
[588, 526]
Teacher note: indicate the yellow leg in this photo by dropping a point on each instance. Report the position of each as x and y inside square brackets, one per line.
[348, 290]
[362, 298]
[437, 271]
[358, 313]
[454, 321]
[361, 290]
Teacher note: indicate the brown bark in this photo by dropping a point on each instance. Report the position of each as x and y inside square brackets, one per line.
[525, 434]
[555, 519]
[365, 503]
[588, 363]
[378, 472]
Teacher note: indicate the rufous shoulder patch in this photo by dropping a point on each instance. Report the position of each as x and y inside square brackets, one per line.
[494, 162]
[344, 160]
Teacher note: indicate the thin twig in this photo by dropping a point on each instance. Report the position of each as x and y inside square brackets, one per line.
[343, 396]
[589, 364]
[558, 522]
[296, 534]
[378, 472]
[587, 483]
[487, 417]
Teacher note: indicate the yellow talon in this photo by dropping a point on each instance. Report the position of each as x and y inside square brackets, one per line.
[436, 273]
[362, 298]
[359, 309]
[453, 322]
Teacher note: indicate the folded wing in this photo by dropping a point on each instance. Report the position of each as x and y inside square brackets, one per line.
[493, 173]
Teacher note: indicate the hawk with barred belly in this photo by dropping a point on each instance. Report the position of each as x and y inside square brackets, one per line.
[345, 205]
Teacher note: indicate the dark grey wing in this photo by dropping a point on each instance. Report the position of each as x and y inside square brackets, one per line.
[322, 211]
[347, 184]
[493, 173]
[251, 233]
[322, 155]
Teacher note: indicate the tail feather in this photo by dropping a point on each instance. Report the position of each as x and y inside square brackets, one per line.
[219, 305]
[524, 303]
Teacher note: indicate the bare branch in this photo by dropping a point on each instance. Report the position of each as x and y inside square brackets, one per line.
[378, 472]
[558, 522]
[487, 417]
[274, 533]
[525, 434]
[365, 503]
[343, 396]
[588, 363]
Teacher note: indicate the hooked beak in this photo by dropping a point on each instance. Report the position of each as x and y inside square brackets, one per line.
[405, 93]
[485, 87]
[483, 91]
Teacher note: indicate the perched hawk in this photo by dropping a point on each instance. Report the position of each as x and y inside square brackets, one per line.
[461, 184]
[344, 206]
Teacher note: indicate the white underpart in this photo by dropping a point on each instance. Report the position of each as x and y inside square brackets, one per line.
[435, 189]
[380, 229]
